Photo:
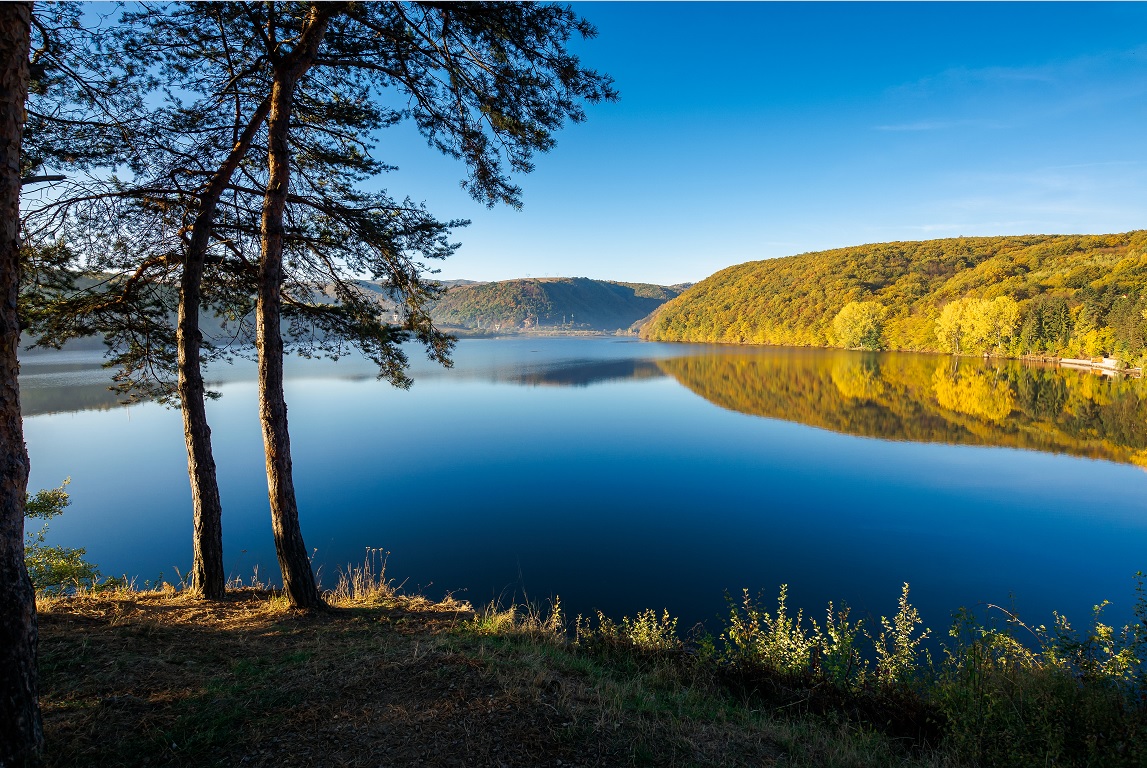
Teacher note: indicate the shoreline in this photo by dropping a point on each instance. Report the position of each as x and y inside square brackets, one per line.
[1108, 366]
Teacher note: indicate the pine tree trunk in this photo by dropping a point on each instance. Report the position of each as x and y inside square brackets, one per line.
[298, 578]
[21, 729]
[208, 577]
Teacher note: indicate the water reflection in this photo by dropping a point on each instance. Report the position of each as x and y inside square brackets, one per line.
[580, 468]
[64, 382]
[929, 398]
[77, 381]
[923, 398]
[578, 373]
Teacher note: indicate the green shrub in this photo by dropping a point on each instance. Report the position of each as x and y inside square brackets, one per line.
[778, 642]
[54, 569]
[1045, 697]
[646, 632]
[898, 646]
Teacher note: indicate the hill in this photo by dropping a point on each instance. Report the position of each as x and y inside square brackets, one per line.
[1061, 295]
[554, 302]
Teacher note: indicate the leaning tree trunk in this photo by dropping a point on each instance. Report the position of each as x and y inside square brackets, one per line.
[208, 577]
[298, 578]
[21, 730]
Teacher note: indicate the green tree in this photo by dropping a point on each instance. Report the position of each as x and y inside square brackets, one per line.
[860, 324]
[486, 83]
[128, 260]
[1047, 325]
[510, 79]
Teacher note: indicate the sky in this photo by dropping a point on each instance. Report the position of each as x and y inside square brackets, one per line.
[749, 131]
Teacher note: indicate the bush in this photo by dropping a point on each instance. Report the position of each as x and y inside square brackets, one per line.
[646, 632]
[54, 569]
[1070, 699]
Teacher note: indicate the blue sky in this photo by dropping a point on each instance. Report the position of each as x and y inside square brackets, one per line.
[749, 131]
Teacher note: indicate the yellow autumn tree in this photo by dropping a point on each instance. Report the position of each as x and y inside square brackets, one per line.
[860, 324]
[950, 326]
[972, 325]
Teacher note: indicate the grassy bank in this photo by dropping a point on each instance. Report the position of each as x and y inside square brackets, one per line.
[158, 678]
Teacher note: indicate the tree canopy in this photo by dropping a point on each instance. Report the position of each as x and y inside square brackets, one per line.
[860, 324]
[248, 129]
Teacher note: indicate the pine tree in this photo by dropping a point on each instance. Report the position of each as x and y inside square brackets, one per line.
[21, 729]
[485, 83]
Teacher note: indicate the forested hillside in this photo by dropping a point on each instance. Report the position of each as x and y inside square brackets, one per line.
[558, 302]
[1066, 296]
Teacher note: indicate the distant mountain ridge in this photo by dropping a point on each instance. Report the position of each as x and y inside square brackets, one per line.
[546, 304]
[572, 303]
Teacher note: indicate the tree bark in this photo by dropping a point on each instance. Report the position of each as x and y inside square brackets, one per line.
[298, 577]
[21, 729]
[208, 577]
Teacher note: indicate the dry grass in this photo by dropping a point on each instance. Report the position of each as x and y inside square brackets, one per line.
[160, 678]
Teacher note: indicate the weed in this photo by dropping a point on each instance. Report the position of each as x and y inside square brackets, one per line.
[646, 632]
[364, 584]
[777, 641]
[775, 686]
[1061, 698]
[523, 621]
[898, 646]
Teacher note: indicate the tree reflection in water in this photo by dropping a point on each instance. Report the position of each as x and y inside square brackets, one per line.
[929, 398]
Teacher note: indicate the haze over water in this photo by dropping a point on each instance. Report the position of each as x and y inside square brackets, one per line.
[624, 475]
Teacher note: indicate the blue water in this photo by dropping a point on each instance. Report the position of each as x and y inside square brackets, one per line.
[579, 468]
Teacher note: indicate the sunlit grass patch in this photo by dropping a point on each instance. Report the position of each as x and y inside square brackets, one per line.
[523, 621]
[363, 584]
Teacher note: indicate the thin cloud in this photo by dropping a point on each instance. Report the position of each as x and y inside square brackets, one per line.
[923, 125]
[1080, 71]
[967, 226]
[1098, 164]
[934, 227]
[939, 125]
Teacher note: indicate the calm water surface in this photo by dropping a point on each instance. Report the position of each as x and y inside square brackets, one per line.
[622, 475]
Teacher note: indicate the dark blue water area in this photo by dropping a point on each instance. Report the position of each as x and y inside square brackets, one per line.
[576, 468]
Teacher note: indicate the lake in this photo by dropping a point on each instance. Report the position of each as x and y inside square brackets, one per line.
[622, 475]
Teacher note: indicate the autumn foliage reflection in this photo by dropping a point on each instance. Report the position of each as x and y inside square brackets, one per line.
[927, 398]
